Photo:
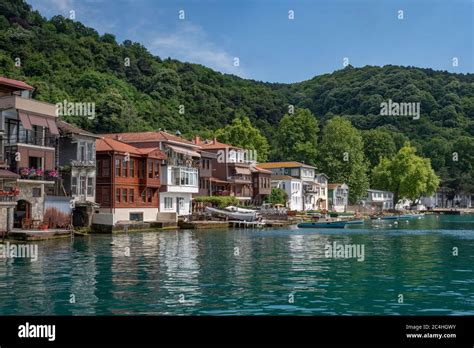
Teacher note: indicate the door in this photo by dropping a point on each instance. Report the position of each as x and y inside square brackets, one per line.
[179, 205]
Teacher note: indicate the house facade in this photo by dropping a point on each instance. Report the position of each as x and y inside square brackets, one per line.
[314, 193]
[128, 183]
[442, 198]
[29, 136]
[378, 200]
[338, 197]
[261, 184]
[293, 188]
[77, 169]
[179, 171]
[231, 173]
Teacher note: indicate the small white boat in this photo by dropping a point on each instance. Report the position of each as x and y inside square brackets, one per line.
[233, 215]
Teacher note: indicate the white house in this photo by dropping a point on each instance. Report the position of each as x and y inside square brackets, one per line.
[293, 188]
[338, 197]
[378, 200]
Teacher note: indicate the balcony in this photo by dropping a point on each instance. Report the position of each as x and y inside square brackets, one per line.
[240, 179]
[311, 188]
[181, 179]
[38, 174]
[28, 105]
[24, 138]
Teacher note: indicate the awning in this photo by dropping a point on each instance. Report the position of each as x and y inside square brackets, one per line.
[184, 151]
[219, 181]
[242, 171]
[38, 121]
[6, 174]
[25, 120]
[53, 129]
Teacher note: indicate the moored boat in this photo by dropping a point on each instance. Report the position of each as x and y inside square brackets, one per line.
[233, 215]
[323, 224]
[355, 222]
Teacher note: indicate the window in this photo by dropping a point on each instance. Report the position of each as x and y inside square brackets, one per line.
[90, 151]
[73, 185]
[36, 192]
[132, 168]
[82, 151]
[124, 195]
[106, 167]
[150, 169]
[117, 166]
[150, 195]
[168, 203]
[143, 195]
[35, 162]
[117, 195]
[136, 216]
[82, 185]
[124, 167]
[106, 195]
[131, 195]
[157, 169]
[90, 186]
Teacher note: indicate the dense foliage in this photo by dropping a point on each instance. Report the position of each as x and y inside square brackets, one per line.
[277, 196]
[135, 90]
[406, 175]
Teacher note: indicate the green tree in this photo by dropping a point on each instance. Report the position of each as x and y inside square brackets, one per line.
[242, 133]
[296, 137]
[377, 144]
[407, 175]
[277, 196]
[341, 157]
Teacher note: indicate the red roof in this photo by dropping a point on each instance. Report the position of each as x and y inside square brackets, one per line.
[107, 145]
[147, 136]
[15, 84]
[214, 144]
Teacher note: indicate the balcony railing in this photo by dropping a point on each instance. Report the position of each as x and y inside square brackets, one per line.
[38, 174]
[239, 178]
[8, 196]
[48, 141]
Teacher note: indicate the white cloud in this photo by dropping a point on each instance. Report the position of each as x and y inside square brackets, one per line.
[190, 43]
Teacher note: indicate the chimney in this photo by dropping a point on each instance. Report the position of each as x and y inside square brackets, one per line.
[215, 140]
[197, 140]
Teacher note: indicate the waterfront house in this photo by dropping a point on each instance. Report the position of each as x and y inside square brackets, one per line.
[314, 193]
[443, 198]
[261, 184]
[8, 196]
[378, 200]
[128, 183]
[338, 195]
[231, 174]
[293, 188]
[205, 173]
[179, 171]
[29, 139]
[77, 169]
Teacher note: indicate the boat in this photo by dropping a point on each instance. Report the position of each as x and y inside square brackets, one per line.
[233, 215]
[323, 224]
[355, 222]
[240, 210]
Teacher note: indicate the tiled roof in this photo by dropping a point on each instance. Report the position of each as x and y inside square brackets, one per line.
[15, 83]
[283, 177]
[289, 164]
[256, 169]
[332, 186]
[147, 136]
[107, 145]
[69, 128]
[216, 144]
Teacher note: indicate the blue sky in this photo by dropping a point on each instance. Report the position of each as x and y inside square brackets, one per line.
[271, 47]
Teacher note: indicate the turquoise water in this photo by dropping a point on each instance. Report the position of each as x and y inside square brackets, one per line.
[273, 272]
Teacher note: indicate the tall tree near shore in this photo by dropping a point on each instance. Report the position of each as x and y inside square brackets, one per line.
[296, 137]
[377, 144]
[243, 134]
[407, 175]
[341, 157]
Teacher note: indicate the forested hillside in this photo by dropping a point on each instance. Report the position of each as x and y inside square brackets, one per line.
[63, 59]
